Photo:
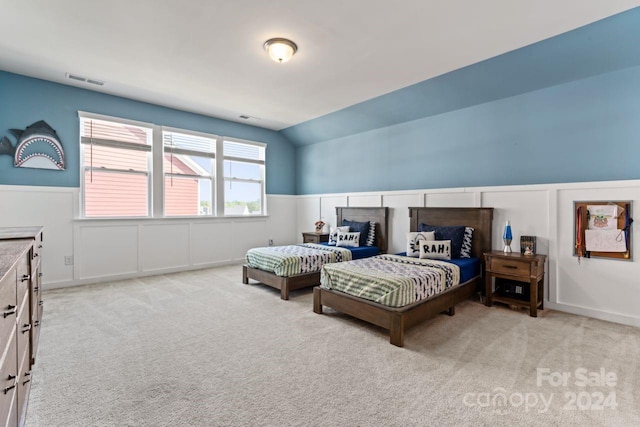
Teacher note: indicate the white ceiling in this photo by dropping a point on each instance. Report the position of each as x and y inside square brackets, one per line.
[206, 56]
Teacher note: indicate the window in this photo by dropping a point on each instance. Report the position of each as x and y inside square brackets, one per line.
[189, 165]
[196, 174]
[243, 178]
[116, 165]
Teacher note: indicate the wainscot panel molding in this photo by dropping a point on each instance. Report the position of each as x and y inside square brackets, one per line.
[599, 288]
[114, 249]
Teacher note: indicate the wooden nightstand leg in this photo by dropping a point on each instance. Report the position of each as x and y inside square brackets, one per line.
[533, 300]
[487, 289]
[541, 293]
[245, 279]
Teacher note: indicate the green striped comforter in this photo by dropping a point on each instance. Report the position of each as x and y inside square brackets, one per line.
[391, 280]
[295, 259]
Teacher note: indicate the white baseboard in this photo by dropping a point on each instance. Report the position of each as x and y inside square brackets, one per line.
[155, 272]
[596, 314]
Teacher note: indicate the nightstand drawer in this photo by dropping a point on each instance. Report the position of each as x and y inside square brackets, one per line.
[315, 237]
[507, 266]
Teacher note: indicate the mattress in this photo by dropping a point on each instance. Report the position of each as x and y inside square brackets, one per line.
[360, 251]
[391, 280]
[469, 267]
[295, 259]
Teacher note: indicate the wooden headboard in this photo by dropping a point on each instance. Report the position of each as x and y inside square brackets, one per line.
[378, 215]
[478, 218]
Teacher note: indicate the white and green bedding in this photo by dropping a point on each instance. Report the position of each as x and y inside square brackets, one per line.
[295, 259]
[391, 280]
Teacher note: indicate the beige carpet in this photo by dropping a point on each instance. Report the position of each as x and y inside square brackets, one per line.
[201, 348]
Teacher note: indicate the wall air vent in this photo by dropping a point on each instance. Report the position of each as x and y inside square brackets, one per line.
[84, 79]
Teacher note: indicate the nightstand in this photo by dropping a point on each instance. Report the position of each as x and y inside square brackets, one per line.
[313, 237]
[526, 269]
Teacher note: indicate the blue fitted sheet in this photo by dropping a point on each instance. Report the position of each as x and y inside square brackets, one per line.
[469, 267]
[361, 251]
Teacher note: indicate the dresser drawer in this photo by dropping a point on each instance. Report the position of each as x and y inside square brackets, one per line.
[8, 384]
[24, 385]
[507, 266]
[24, 278]
[8, 307]
[36, 251]
[24, 328]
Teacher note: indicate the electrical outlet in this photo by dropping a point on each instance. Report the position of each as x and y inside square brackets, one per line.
[68, 260]
[270, 242]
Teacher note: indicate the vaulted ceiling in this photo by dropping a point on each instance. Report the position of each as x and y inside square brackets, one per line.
[206, 56]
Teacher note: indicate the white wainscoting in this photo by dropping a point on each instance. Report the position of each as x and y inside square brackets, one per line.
[112, 249]
[122, 248]
[604, 289]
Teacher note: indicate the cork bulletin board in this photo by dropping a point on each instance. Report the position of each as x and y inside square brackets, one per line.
[602, 229]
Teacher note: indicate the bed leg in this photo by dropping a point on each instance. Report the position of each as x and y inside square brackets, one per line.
[397, 330]
[284, 292]
[452, 310]
[245, 279]
[317, 304]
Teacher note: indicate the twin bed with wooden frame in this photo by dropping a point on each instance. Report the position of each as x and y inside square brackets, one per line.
[298, 281]
[398, 319]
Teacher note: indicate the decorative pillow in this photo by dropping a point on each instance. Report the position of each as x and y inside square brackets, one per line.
[412, 242]
[348, 239]
[333, 232]
[371, 238]
[362, 227]
[435, 249]
[465, 251]
[454, 233]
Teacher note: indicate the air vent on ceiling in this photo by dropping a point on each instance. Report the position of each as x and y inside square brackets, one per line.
[84, 79]
[248, 117]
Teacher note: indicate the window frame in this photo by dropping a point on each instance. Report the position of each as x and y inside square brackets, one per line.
[223, 179]
[212, 155]
[115, 144]
[156, 173]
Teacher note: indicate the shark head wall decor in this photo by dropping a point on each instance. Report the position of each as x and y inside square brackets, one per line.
[38, 146]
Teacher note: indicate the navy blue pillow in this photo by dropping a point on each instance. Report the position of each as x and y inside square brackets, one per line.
[454, 233]
[363, 228]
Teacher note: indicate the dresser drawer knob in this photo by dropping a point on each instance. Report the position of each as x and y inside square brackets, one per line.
[40, 274]
[11, 309]
[10, 377]
[35, 255]
[36, 323]
[36, 289]
[25, 277]
[41, 303]
[26, 328]
[39, 246]
[510, 266]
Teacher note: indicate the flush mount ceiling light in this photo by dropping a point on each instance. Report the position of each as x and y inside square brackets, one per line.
[279, 49]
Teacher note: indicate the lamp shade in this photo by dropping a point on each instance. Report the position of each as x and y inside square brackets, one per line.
[280, 50]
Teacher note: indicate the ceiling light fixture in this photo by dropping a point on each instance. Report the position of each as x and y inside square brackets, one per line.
[279, 49]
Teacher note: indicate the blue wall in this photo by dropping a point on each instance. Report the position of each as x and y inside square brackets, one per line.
[586, 130]
[566, 109]
[25, 100]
